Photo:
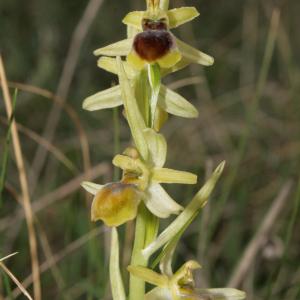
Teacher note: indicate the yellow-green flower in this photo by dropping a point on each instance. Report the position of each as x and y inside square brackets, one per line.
[153, 42]
[116, 203]
[181, 285]
[144, 27]
[168, 100]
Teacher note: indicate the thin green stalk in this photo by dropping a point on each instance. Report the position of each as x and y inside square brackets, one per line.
[5, 155]
[7, 286]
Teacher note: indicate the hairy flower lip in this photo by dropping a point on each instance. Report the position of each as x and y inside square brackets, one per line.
[115, 203]
[151, 45]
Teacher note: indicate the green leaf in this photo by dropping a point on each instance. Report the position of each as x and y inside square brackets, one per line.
[116, 282]
[5, 155]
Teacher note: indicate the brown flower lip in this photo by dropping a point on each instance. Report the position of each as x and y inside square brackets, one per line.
[151, 45]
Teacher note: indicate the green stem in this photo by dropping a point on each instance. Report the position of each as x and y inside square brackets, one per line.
[136, 285]
[146, 229]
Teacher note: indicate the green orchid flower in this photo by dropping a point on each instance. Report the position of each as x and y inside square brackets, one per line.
[153, 42]
[168, 100]
[116, 203]
[181, 285]
[143, 28]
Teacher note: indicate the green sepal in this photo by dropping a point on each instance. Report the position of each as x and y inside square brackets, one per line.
[108, 98]
[175, 104]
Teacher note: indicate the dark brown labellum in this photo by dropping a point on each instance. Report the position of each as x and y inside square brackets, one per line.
[151, 45]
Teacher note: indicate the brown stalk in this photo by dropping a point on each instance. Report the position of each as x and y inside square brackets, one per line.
[260, 237]
[58, 194]
[24, 187]
[68, 72]
[62, 254]
[84, 144]
[59, 155]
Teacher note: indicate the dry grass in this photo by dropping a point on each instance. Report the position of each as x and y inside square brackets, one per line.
[249, 115]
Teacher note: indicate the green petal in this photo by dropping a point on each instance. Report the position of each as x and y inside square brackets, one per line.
[175, 104]
[121, 48]
[125, 163]
[105, 99]
[160, 203]
[117, 287]
[110, 65]
[134, 19]
[91, 187]
[179, 16]
[165, 175]
[134, 117]
[194, 55]
[149, 276]
[159, 294]
[157, 146]
[184, 62]
[189, 213]
[222, 294]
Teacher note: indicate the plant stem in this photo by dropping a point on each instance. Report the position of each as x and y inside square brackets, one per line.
[136, 285]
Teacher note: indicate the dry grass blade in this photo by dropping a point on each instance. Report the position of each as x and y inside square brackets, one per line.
[78, 37]
[15, 280]
[24, 186]
[68, 109]
[62, 254]
[59, 155]
[260, 237]
[8, 256]
[56, 195]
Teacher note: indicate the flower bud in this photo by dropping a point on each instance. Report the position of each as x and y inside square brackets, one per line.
[116, 203]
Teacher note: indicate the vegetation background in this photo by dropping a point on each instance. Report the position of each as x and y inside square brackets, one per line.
[248, 235]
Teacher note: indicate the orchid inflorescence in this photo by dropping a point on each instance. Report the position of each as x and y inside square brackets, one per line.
[149, 53]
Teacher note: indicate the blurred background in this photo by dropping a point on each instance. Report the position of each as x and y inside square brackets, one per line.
[247, 236]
